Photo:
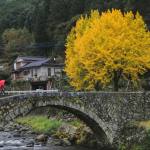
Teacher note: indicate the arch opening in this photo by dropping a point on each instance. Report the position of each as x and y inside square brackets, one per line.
[99, 133]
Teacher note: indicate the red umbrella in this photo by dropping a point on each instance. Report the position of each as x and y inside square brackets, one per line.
[2, 84]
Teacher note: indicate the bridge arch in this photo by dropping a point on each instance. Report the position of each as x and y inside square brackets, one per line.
[21, 105]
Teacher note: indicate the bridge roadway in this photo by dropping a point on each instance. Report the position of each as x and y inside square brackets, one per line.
[106, 113]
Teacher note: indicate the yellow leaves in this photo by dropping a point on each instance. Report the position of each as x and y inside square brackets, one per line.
[103, 43]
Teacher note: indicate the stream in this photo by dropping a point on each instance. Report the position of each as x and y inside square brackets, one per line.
[13, 141]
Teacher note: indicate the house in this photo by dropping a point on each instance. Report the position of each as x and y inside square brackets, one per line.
[37, 70]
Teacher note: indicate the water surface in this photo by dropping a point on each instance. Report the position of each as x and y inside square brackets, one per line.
[8, 141]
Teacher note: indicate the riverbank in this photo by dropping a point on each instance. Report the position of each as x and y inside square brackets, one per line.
[20, 136]
[63, 133]
[74, 132]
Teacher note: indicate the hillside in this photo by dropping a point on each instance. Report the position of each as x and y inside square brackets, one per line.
[50, 21]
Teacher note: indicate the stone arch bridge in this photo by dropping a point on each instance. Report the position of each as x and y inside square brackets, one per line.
[106, 113]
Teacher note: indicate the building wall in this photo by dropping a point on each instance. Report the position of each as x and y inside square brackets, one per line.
[56, 71]
[19, 63]
[38, 73]
[43, 71]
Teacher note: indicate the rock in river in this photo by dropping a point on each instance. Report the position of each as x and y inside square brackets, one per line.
[30, 144]
[13, 143]
[41, 138]
[1, 143]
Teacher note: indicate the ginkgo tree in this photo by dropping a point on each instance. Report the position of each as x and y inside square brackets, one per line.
[104, 48]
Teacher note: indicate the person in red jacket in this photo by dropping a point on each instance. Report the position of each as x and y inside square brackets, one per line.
[2, 86]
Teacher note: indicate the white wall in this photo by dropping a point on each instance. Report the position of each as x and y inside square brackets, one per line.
[41, 72]
[15, 67]
[52, 71]
[21, 64]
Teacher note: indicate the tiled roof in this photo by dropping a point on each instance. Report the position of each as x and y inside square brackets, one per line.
[36, 64]
[31, 58]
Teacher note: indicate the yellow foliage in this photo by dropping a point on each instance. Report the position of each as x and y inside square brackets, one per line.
[102, 44]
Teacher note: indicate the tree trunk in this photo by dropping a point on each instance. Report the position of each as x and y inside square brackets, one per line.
[116, 81]
[97, 86]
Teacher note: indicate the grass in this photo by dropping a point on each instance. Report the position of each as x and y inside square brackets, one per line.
[40, 124]
[75, 123]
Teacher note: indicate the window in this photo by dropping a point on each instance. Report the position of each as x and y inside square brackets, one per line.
[35, 72]
[57, 71]
[49, 71]
[25, 72]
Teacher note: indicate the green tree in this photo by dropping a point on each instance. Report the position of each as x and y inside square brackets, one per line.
[16, 41]
[50, 20]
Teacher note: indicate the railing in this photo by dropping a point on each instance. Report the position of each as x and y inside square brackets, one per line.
[33, 91]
